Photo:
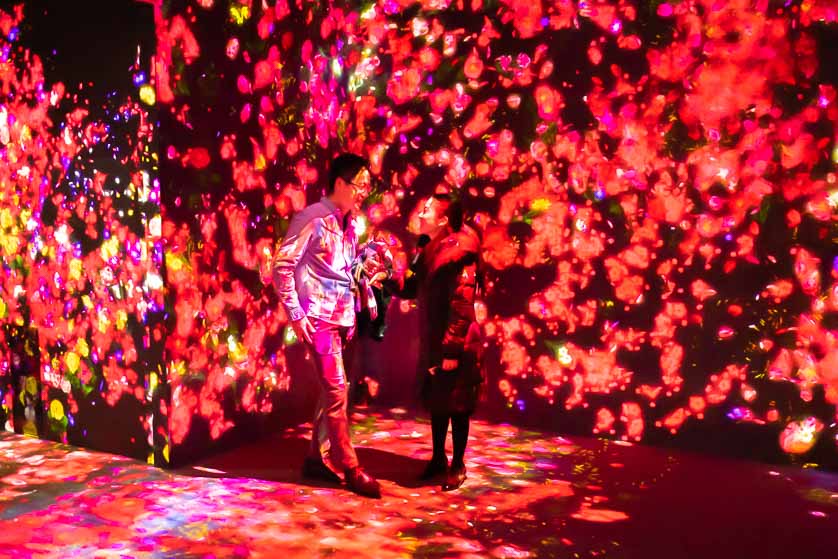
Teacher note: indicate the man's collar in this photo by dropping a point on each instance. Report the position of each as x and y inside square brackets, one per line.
[343, 218]
[329, 204]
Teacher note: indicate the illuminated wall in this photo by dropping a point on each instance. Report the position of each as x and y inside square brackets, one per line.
[80, 273]
[654, 183]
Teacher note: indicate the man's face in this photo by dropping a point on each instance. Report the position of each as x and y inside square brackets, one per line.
[351, 194]
[361, 186]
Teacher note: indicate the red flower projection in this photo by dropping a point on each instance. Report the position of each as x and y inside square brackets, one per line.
[79, 246]
[663, 173]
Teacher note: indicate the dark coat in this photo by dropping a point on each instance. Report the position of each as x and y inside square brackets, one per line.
[445, 281]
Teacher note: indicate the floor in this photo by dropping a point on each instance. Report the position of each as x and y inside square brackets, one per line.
[527, 495]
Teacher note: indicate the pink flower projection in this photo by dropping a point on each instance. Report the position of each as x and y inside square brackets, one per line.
[651, 223]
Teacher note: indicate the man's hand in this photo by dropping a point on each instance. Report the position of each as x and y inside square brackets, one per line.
[303, 329]
[450, 364]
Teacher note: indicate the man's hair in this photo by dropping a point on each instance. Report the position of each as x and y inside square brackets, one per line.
[453, 210]
[345, 166]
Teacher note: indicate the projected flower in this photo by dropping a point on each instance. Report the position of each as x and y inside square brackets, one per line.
[79, 243]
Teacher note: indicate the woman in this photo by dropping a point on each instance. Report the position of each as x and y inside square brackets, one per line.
[444, 279]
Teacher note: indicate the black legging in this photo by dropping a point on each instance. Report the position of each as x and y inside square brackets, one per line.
[459, 434]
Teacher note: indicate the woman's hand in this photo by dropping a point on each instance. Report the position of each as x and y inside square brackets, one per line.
[375, 270]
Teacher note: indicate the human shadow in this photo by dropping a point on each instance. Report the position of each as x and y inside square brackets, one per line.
[280, 458]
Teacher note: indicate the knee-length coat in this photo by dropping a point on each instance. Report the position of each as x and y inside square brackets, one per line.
[445, 281]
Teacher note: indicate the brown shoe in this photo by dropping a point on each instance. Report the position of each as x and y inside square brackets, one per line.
[316, 469]
[362, 483]
[455, 478]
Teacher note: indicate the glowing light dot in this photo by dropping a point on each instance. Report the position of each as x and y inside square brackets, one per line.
[147, 95]
[419, 27]
[369, 13]
[337, 67]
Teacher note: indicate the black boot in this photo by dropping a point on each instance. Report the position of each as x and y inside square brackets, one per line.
[436, 467]
[455, 478]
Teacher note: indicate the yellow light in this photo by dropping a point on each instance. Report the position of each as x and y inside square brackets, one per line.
[369, 13]
[82, 348]
[540, 205]
[109, 248]
[71, 359]
[337, 68]
[56, 410]
[75, 269]
[239, 14]
[261, 163]
[121, 319]
[6, 219]
[147, 95]
[173, 262]
[564, 356]
[290, 337]
[177, 368]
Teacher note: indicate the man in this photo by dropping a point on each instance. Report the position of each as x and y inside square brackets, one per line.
[313, 276]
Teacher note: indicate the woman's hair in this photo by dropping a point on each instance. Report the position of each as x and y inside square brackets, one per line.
[453, 210]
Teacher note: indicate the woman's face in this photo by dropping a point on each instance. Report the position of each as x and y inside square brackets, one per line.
[432, 217]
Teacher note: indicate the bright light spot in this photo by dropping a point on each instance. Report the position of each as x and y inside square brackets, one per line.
[147, 95]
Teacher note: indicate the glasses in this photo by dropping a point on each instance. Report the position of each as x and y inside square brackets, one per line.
[370, 190]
